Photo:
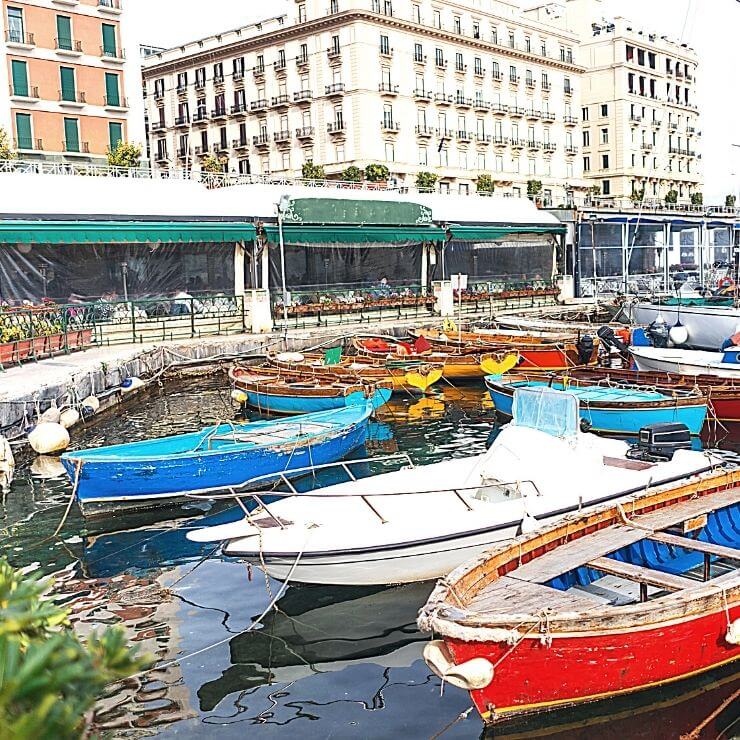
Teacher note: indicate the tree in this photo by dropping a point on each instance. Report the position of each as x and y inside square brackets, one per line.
[697, 199]
[49, 678]
[376, 173]
[671, 197]
[426, 181]
[125, 154]
[352, 174]
[213, 165]
[6, 151]
[730, 201]
[313, 171]
[484, 184]
[534, 188]
[638, 195]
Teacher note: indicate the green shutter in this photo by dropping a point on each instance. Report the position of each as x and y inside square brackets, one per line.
[67, 79]
[64, 32]
[109, 40]
[20, 77]
[23, 130]
[115, 134]
[71, 135]
[111, 89]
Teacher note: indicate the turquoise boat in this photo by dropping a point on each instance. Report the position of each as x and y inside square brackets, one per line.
[272, 390]
[607, 409]
[160, 471]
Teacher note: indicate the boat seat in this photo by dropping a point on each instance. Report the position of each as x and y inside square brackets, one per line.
[651, 577]
[707, 548]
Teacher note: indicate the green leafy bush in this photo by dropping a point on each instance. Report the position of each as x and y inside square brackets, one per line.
[313, 171]
[484, 184]
[671, 196]
[352, 174]
[6, 152]
[376, 173]
[125, 155]
[426, 181]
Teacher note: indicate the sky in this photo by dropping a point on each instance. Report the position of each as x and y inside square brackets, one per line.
[709, 26]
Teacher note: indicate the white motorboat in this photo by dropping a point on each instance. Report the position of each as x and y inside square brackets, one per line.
[418, 523]
[687, 361]
[707, 326]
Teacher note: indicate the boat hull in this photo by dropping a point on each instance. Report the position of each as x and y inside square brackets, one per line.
[683, 362]
[288, 405]
[534, 677]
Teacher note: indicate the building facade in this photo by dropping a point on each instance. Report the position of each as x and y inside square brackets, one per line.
[458, 89]
[70, 79]
[639, 117]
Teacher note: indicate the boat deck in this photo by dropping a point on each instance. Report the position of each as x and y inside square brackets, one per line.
[524, 589]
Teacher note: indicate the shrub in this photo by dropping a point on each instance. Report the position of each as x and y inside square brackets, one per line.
[671, 196]
[125, 154]
[352, 174]
[6, 152]
[311, 171]
[213, 165]
[376, 173]
[534, 188]
[484, 184]
[637, 195]
[730, 201]
[697, 199]
[426, 181]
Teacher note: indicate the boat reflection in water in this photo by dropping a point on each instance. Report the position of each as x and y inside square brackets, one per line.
[320, 630]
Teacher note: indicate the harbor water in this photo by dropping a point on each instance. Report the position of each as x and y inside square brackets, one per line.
[326, 662]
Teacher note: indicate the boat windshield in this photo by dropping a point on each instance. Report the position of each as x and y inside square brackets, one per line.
[550, 411]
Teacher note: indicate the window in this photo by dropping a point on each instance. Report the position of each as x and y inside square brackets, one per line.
[545, 82]
[531, 167]
[641, 57]
[587, 164]
[584, 113]
[437, 17]
[387, 7]
[182, 81]
[566, 86]
[443, 158]
[19, 73]
[543, 49]
[459, 65]
[238, 64]
[494, 35]
[439, 59]
[15, 26]
[512, 74]
[604, 161]
[481, 161]
[512, 40]
[604, 110]
[64, 32]
[630, 53]
[260, 65]
[586, 139]
[115, 134]
[476, 30]
[604, 135]
[496, 71]
[286, 155]
[385, 47]
[606, 188]
[67, 83]
[528, 78]
[478, 66]
[244, 167]
[161, 147]
[23, 133]
[71, 135]
[218, 72]
[417, 13]
[390, 152]
[112, 93]
[423, 157]
[110, 46]
[418, 53]
[303, 56]
[302, 13]
[456, 25]
[200, 77]
[527, 44]
[498, 163]
[388, 115]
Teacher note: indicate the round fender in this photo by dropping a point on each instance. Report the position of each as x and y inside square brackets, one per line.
[476, 673]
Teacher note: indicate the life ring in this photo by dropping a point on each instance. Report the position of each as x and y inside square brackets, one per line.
[726, 282]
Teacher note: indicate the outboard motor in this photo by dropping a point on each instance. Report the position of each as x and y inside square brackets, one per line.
[657, 333]
[585, 347]
[659, 442]
[614, 347]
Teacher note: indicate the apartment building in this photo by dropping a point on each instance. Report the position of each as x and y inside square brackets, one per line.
[73, 91]
[455, 88]
[639, 117]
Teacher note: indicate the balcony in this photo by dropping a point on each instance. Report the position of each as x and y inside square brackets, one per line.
[424, 132]
[72, 99]
[301, 61]
[482, 105]
[499, 110]
[111, 7]
[258, 105]
[673, 150]
[334, 55]
[440, 63]
[515, 112]
[546, 116]
[281, 101]
[420, 94]
[182, 91]
[532, 114]
[386, 52]
[79, 148]
[464, 136]
[483, 138]
[158, 126]
[114, 56]
[635, 119]
[496, 76]
[239, 110]
[281, 137]
[262, 140]
[218, 82]
[571, 150]
[183, 152]
[568, 90]
[461, 69]
[336, 127]
[549, 147]
[656, 122]
[303, 96]
[219, 114]
[258, 70]
[27, 94]
[182, 122]
[546, 87]
[389, 127]
[304, 133]
[240, 144]
[238, 78]
[462, 102]
[200, 83]
[220, 147]
[672, 126]
[279, 67]
[444, 133]
[443, 99]
[690, 130]
[335, 89]
[517, 143]
[68, 47]
[500, 140]
[201, 116]
[19, 40]
[530, 84]
[28, 145]
[479, 72]
[534, 145]
[385, 88]
[514, 80]
[162, 156]
[420, 59]
[201, 151]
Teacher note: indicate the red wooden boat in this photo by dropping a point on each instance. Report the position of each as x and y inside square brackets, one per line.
[723, 394]
[625, 598]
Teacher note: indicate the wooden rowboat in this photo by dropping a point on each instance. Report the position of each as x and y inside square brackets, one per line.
[625, 598]
[486, 337]
[275, 391]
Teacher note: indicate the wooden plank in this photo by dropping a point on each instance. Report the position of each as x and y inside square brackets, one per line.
[667, 581]
[690, 544]
[678, 513]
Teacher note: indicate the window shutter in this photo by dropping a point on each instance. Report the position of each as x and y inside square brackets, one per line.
[67, 79]
[111, 89]
[23, 130]
[20, 77]
[71, 135]
[115, 132]
[109, 40]
[64, 32]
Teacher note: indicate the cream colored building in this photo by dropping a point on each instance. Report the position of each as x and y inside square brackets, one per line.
[455, 88]
[639, 118]
[70, 79]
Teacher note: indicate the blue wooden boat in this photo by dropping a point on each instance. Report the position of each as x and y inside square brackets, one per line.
[609, 409]
[273, 390]
[160, 471]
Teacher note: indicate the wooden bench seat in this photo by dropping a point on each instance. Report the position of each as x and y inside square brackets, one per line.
[637, 573]
[691, 544]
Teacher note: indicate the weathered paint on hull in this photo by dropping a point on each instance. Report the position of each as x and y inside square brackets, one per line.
[574, 669]
[275, 404]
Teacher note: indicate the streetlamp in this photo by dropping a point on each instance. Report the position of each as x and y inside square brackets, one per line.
[283, 205]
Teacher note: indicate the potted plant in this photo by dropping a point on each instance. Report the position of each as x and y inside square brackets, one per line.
[697, 199]
[730, 201]
[5, 149]
[125, 155]
[484, 184]
[377, 173]
[426, 182]
[637, 196]
[311, 171]
[671, 197]
[534, 190]
[351, 174]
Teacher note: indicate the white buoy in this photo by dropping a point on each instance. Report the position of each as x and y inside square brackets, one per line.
[51, 414]
[528, 524]
[48, 438]
[733, 633]
[7, 464]
[47, 467]
[91, 402]
[69, 417]
[679, 334]
[131, 384]
[239, 397]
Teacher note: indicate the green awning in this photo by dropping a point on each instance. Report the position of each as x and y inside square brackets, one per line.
[356, 234]
[492, 233]
[123, 232]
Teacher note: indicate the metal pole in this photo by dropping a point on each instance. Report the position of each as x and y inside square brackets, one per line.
[282, 268]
